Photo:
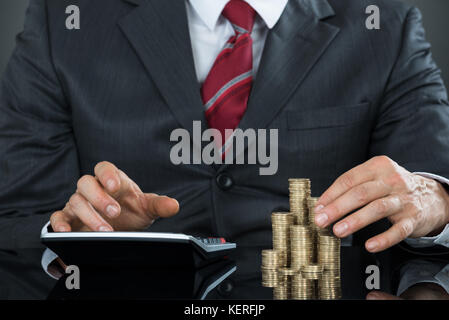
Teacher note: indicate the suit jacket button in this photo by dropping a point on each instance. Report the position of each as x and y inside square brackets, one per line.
[224, 181]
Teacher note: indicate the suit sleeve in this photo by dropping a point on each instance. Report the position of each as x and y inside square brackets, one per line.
[422, 271]
[38, 158]
[413, 120]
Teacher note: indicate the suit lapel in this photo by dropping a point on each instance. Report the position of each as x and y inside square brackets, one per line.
[292, 48]
[158, 31]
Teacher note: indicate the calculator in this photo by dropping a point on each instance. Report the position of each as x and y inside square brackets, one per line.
[145, 249]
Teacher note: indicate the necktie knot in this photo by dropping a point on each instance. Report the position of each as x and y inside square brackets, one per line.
[241, 15]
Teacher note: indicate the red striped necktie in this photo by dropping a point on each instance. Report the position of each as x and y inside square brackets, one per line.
[226, 89]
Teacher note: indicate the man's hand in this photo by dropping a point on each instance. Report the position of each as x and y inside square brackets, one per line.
[420, 291]
[380, 188]
[111, 201]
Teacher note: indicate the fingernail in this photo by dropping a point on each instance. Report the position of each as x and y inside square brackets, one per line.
[104, 229]
[341, 228]
[318, 208]
[321, 219]
[112, 211]
[110, 184]
[371, 245]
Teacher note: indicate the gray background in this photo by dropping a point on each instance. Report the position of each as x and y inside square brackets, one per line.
[434, 11]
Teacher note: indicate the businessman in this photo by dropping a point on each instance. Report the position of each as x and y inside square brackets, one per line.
[86, 118]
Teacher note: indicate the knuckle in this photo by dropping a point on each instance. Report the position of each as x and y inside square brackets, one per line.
[394, 219]
[387, 242]
[66, 207]
[405, 229]
[101, 165]
[346, 181]
[397, 179]
[334, 211]
[402, 231]
[361, 194]
[354, 222]
[158, 207]
[84, 181]
[416, 203]
[55, 216]
[381, 206]
[413, 206]
[420, 215]
[396, 203]
[152, 195]
[101, 201]
[75, 201]
[381, 160]
[325, 198]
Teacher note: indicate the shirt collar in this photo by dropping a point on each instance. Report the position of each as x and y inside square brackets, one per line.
[210, 10]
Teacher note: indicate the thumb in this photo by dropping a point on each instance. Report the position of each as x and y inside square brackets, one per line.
[161, 206]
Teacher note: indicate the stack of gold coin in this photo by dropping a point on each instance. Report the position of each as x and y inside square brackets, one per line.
[302, 288]
[328, 251]
[281, 222]
[269, 267]
[301, 246]
[285, 272]
[329, 285]
[283, 289]
[311, 203]
[270, 259]
[312, 271]
[329, 257]
[305, 260]
[299, 192]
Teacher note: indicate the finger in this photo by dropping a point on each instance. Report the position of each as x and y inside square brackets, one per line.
[161, 206]
[109, 177]
[115, 181]
[84, 211]
[354, 198]
[362, 173]
[379, 295]
[398, 232]
[376, 210]
[90, 188]
[60, 222]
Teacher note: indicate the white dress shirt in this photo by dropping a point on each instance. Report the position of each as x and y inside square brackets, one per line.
[209, 31]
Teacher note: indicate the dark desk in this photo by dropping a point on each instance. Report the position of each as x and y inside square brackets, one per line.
[243, 283]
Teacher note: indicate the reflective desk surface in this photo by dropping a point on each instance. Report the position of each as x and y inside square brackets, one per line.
[239, 277]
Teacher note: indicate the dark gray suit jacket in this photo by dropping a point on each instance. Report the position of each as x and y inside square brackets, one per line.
[115, 90]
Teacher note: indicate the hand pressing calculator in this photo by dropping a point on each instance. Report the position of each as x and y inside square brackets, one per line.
[136, 249]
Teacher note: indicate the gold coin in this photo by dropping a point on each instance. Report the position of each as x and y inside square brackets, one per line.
[286, 271]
